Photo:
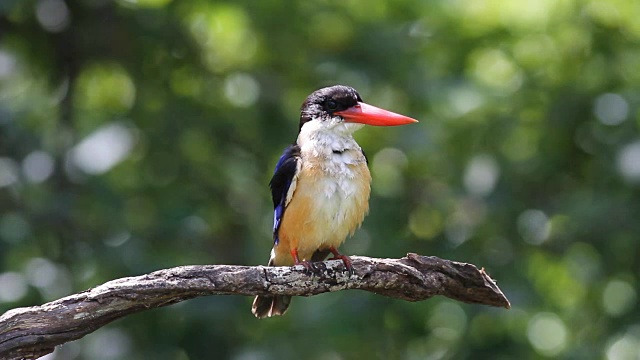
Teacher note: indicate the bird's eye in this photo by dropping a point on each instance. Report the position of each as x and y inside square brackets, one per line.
[332, 105]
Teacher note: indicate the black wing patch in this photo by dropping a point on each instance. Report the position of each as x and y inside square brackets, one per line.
[280, 183]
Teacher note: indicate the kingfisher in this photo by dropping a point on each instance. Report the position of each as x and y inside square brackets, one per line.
[321, 184]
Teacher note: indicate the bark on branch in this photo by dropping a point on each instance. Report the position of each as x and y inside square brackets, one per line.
[28, 333]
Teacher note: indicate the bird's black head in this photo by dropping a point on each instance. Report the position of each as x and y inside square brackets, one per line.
[322, 103]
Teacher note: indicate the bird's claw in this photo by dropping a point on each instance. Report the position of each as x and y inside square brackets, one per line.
[309, 267]
[345, 259]
[312, 268]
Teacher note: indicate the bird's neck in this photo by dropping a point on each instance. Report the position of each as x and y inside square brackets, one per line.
[320, 142]
[335, 154]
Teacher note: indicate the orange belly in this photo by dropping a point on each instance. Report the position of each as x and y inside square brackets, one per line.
[323, 211]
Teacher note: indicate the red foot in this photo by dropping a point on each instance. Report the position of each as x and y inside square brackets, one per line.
[345, 259]
[307, 265]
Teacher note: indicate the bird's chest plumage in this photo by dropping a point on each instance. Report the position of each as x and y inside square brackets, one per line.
[330, 201]
[341, 184]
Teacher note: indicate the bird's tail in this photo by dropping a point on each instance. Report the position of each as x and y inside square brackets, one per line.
[270, 305]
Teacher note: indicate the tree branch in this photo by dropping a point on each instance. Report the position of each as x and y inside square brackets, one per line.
[28, 333]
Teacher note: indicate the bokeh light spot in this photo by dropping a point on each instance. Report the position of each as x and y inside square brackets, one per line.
[41, 272]
[37, 166]
[103, 149]
[12, 287]
[611, 109]
[53, 15]
[481, 175]
[196, 226]
[625, 347]
[547, 334]
[461, 224]
[224, 34]
[534, 226]
[426, 223]
[628, 162]
[105, 88]
[618, 297]
[464, 99]
[8, 172]
[107, 344]
[51, 279]
[494, 68]
[241, 90]
[117, 239]
[449, 321]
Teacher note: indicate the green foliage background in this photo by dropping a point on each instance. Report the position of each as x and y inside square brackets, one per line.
[141, 134]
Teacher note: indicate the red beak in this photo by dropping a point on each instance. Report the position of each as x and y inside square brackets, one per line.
[367, 114]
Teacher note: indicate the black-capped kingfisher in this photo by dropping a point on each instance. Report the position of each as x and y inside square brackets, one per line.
[321, 185]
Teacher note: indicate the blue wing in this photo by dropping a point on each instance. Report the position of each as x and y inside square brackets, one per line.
[280, 182]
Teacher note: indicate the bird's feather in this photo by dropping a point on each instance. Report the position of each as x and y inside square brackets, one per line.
[283, 184]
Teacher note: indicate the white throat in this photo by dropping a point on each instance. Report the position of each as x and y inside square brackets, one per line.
[324, 139]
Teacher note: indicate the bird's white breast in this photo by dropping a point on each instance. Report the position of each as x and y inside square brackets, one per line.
[335, 178]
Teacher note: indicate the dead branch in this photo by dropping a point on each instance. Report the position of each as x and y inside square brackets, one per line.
[28, 333]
